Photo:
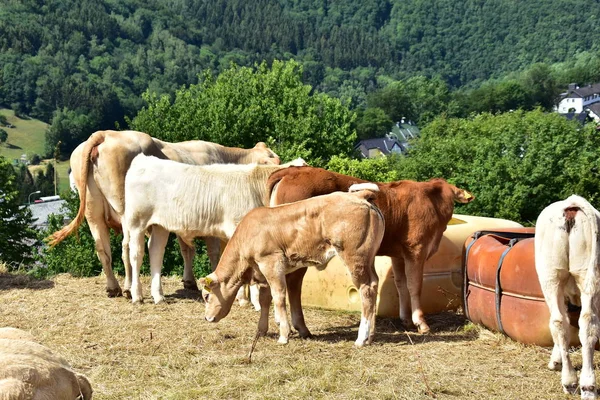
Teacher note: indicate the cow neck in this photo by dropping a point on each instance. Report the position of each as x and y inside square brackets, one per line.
[236, 155]
[232, 266]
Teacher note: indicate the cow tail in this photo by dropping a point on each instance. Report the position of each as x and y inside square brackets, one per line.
[272, 182]
[94, 140]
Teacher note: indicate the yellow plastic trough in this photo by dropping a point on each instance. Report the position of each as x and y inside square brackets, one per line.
[332, 287]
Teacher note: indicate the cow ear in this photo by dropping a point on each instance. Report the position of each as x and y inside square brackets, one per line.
[463, 196]
[208, 283]
[260, 145]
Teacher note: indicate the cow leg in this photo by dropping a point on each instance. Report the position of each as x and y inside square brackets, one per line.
[255, 296]
[365, 279]
[213, 250]
[294, 286]
[414, 280]
[264, 298]
[136, 256]
[403, 295]
[101, 236]
[241, 296]
[127, 266]
[188, 252]
[156, 250]
[588, 335]
[559, 328]
[278, 290]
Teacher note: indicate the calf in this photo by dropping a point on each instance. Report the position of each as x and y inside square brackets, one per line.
[567, 261]
[416, 215]
[189, 200]
[272, 242]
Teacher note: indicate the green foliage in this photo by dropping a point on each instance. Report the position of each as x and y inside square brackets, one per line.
[245, 105]
[514, 163]
[97, 57]
[69, 128]
[3, 135]
[381, 169]
[373, 122]
[76, 254]
[15, 234]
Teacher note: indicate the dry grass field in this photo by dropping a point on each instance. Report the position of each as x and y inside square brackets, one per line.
[168, 351]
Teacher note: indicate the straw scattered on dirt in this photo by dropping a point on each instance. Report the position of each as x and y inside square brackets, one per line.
[168, 351]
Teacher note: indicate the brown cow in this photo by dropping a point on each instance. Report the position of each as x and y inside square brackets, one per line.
[273, 241]
[416, 215]
[99, 166]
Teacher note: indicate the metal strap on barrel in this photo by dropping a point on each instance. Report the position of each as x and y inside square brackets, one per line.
[475, 236]
[499, 285]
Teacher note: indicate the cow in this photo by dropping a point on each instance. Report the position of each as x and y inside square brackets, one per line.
[416, 215]
[99, 166]
[29, 370]
[189, 200]
[271, 242]
[567, 261]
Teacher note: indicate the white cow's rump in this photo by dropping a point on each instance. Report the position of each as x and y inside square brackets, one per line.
[567, 262]
[189, 200]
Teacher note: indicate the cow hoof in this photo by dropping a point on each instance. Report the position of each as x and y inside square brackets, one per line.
[160, 299]
[243, 302]
[257, 308]
[360, 343]
[115, 292]
[423, 328]
[137, 302]
[282, 340]
[588, 392]
[555, 365]
[305, 335]
[407, 323]
[190, 285]
[570, 388]
[127, 294]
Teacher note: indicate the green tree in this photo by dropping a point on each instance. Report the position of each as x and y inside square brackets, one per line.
[515, 163]
[245, 105]
[373, 122]
[3, 136]
[16, 235]
[381, 169]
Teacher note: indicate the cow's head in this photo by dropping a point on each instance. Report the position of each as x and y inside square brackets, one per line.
[261, 154]
[219, 297]
[462, 196]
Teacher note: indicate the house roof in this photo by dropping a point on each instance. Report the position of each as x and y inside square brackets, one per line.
[595, 108]
[385, 145]
[41, 211]
[584, 91]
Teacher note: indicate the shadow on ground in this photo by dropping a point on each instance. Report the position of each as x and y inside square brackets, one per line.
[10, 281]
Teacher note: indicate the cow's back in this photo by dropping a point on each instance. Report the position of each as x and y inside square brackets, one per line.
[299, 183]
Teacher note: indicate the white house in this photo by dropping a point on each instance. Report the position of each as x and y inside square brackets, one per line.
[578, 99]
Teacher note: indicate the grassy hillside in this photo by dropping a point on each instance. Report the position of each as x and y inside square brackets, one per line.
[27, 137]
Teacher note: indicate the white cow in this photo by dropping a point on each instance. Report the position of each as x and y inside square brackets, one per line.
[567, 260]
[189, 200]
[99, 166]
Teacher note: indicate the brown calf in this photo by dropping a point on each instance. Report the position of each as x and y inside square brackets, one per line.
[416, 215]
[272, 242]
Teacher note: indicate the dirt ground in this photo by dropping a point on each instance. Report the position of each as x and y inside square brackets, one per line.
[168, 351]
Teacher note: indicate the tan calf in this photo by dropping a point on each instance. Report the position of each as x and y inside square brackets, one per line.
[272, 242]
